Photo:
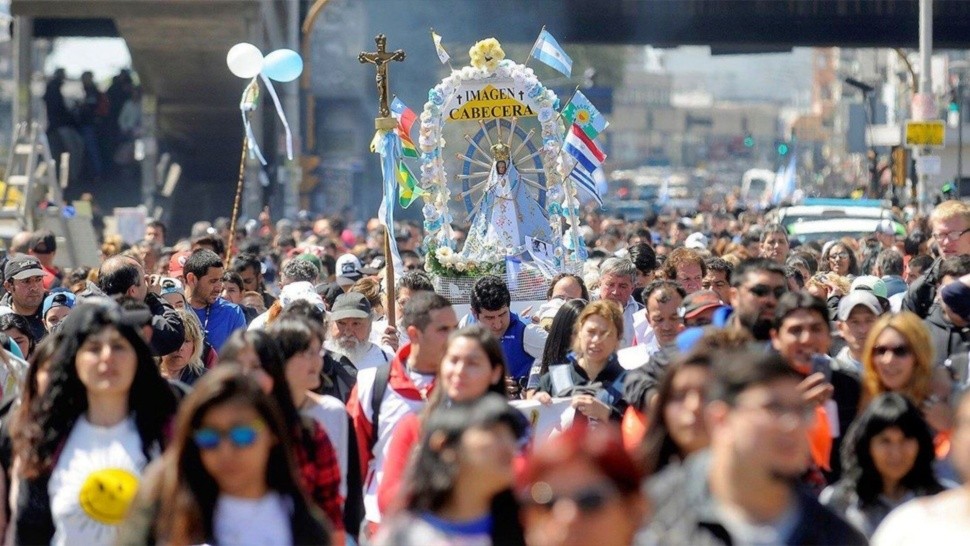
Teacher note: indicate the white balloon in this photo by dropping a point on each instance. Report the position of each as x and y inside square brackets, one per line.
[245, 60]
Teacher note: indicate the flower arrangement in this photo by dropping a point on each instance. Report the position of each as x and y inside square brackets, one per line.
[486, 54]
[445, 262]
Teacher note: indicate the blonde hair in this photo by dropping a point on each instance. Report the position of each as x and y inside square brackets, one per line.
[371, 289]
[193, 331]
[608, 310]
[917, 337]
[948, 210]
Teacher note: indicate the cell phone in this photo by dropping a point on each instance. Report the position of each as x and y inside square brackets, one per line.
[823, 365]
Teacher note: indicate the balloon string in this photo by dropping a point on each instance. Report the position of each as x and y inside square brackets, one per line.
[247, 105]
[279, 112]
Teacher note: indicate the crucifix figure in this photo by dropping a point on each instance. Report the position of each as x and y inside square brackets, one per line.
[380, 58]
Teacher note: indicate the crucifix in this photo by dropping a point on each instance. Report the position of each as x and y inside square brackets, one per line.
[381, 58]
[384, 122]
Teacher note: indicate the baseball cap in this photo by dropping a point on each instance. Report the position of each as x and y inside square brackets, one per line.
[858, 297]
[177, 262]
[43, 242]
[22, 267]
[871, 283]
[698, 302]
[170, 285]
[348, 269]
[350, 305]
[697, 241]
[885, 226]
[58, 299]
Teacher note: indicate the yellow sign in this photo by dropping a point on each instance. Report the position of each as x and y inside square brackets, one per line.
[925, 133]
[489, 102]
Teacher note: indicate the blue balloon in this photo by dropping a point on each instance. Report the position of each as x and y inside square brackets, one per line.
[283, 65]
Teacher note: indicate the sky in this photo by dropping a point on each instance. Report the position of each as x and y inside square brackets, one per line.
[103, 56]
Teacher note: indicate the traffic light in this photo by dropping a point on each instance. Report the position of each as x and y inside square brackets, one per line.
[783, 148]
[748, 141]
[900, 165]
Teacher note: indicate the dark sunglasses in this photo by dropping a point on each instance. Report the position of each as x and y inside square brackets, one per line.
[238, 436]
[762, 290]
[587, 500]
[899, 350]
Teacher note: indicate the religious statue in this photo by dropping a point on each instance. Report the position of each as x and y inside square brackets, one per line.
[507, 214]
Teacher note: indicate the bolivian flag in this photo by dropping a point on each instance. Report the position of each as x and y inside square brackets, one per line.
[409, 190]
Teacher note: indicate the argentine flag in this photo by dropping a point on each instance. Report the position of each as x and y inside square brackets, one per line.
[547, 50]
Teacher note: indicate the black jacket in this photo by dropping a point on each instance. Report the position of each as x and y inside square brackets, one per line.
[922, 293]
[949, 341]
[642, 383]
[338, 377]
[168, 332]
[687, 513]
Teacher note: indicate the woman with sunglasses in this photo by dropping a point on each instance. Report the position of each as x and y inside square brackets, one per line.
[582, 488]
[229, 476]
[83, 444]
[313, 450]
[887, 458]
[472, 367]
[185, 364]
[897, 357]
[840, 259]
[454, 493]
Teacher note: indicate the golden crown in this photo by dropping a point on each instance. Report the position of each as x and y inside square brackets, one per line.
[500, 152]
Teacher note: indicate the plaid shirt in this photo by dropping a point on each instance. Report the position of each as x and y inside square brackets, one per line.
[321, 475]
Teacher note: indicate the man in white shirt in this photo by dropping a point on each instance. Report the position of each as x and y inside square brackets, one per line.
[350, 328]
[618, 277]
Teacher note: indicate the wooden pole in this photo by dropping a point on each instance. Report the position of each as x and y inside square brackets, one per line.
[235, 204]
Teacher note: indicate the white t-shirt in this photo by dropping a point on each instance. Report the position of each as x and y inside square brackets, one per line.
[252, 522]
[940, 519]
[331, 414]
[94, 482]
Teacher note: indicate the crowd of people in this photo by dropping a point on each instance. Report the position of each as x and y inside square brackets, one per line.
[98, 129]
[725, 385]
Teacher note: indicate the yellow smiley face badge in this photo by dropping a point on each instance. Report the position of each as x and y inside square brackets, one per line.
[106, 495]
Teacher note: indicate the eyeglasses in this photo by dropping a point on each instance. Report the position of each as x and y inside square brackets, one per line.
[898, 351]
[951, 236]
[777, 410]
[839, 256]
[239, 436]
[762, 290]
[587, 500]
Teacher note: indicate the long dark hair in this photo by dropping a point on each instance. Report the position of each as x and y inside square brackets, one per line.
[294, 335]
[187, 493]
[887, 411]
[432, 476]
[52, 415]
[560, 340]
[658, 448]
[13, 320]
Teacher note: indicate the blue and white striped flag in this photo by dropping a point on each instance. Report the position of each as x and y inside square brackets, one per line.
[547, 50]
[586, 182]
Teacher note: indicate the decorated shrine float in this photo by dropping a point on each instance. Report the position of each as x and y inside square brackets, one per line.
[514, 179]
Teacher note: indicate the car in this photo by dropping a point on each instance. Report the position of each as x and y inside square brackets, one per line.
[819, 218]
[830, 229]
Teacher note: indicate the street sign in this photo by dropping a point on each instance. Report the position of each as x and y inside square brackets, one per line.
[929, 164]
[925, 133]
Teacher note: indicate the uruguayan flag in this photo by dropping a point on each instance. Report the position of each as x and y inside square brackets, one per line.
[586, 182]
[547, 50]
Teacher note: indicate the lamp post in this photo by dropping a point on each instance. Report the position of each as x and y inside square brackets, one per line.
[867, 91]
[955, 114]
